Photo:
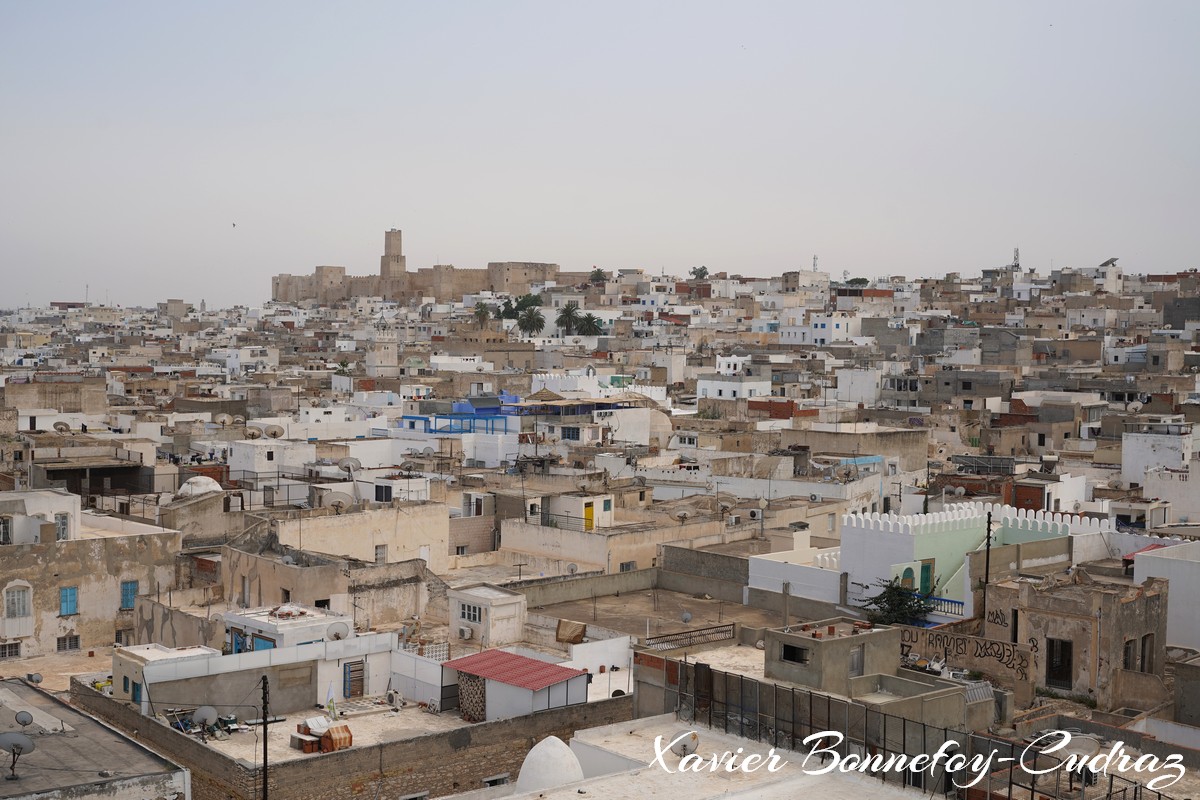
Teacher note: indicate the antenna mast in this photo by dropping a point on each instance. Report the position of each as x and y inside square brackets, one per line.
[266, 709]
[1016, 258]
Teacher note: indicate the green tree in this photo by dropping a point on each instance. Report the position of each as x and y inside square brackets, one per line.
[598, 276]
[589, 325]
[528, 301]
[857, 282]
[897, 605]
[699, 273]
[531, 322]
[507, 310]
[343, 367]
[482, 314]
[568, 318]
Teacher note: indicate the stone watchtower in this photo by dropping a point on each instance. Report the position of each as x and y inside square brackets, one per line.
[392, 264]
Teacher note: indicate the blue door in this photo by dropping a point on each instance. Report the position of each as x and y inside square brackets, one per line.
[137, 693]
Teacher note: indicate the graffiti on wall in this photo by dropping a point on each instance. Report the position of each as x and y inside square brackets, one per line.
[969, 652]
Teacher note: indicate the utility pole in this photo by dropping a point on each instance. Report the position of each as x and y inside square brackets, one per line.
[987, 564]
[266, 710]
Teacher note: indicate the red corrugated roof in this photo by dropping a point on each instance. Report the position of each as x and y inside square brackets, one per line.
[513, 669]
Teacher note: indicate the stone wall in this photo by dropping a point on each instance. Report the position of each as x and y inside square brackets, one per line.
[440, 763]
[1011, 664]
[474, 533]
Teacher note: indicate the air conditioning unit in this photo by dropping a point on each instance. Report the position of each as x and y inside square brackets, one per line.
[733, 519]
[464, 632]
[753, 513]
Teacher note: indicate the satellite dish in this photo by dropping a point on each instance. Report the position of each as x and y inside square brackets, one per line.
[1134, 407]
[24, 718]
[959, 491]
[349, 465]
[34, 677]
[205, 716]
[223, 419]
[62, 427]
[1077, 506]
[572, 568]
[275, 431]
[686, 743]
[254, 433]
[338, 501]
[1116, 483]
[238, 419]
[16, 743]
[686, 617]
[410, 466]
[682, 516]
[640, 480]
[337, 631]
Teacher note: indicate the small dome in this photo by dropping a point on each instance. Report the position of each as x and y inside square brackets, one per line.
[201, 484]
[549, 764]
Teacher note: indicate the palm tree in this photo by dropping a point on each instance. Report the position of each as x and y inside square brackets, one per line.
[589, 325]
[482, 314]
[568, 318]
[531, 321]
[598, 276]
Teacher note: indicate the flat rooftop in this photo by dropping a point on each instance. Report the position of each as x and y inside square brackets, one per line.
[71, 748]
[629, 611]
[371, 722]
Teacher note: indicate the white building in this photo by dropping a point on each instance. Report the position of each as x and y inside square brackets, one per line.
[1153, 441]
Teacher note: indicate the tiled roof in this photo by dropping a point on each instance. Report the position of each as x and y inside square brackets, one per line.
[513, 669]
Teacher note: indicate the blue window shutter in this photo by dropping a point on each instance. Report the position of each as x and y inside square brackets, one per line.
[345, 680]
[67, 604]
[128, 593]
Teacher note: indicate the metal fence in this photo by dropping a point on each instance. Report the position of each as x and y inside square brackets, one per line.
[785, 717]
[671, 641]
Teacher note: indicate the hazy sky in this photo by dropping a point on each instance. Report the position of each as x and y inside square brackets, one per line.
[895, 137]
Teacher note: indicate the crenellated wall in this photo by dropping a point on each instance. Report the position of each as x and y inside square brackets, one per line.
[969, 516]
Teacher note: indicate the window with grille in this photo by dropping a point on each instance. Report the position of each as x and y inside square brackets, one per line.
[628, 566]
[68, 601]
[5, 530]
[16, 603]
[10, 650]
[68, 643]
[383, 494]
[124, 636]
[61, 522]
[129, 590]
[470, 613]
[570, 434]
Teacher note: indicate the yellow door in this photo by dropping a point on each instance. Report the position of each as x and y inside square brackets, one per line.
[589, 516]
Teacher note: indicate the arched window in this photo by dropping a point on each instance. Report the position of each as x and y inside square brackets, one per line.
[908, 578]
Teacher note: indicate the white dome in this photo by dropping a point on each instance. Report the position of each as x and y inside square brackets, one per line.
[549, 764]
[201, 484]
